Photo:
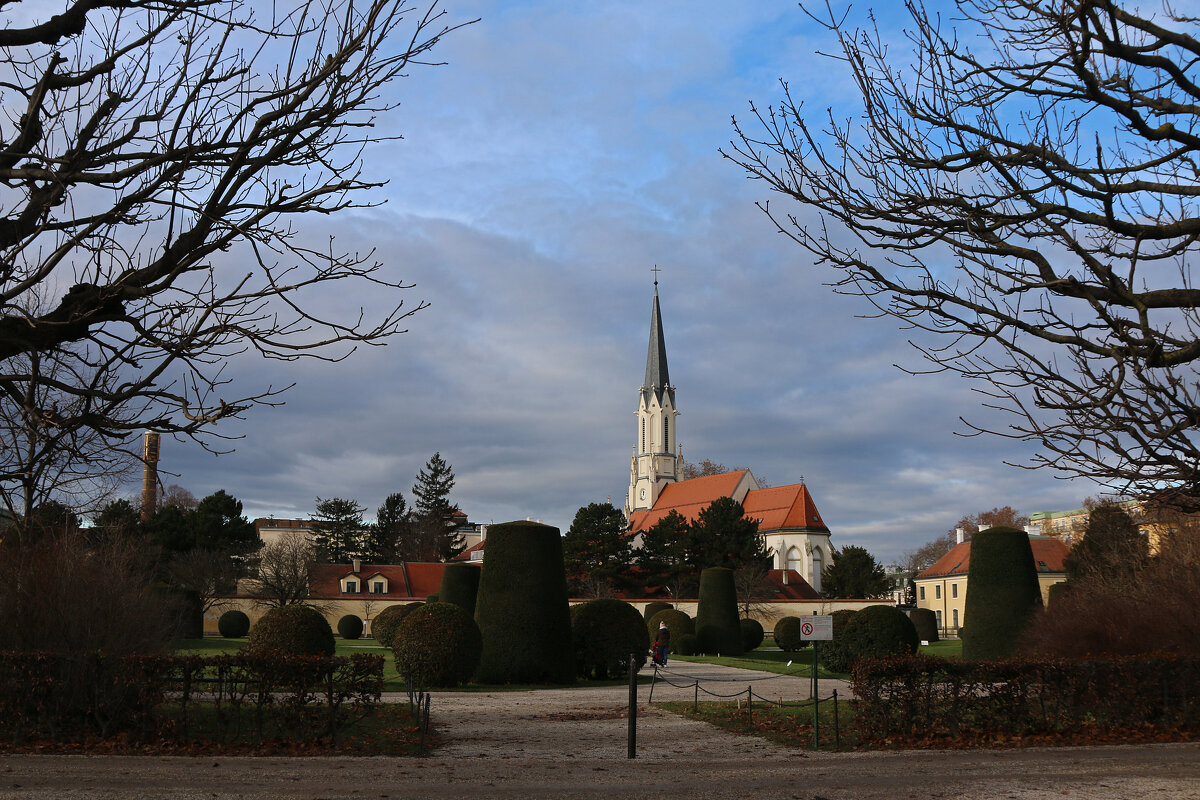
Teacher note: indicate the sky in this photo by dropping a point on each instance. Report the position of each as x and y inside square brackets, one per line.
[561, 152]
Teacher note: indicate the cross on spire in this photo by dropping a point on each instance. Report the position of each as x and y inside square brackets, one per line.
[655, 270]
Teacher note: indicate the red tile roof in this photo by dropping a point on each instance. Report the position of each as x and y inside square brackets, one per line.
[1048, 555]
[404, 580]
[776, 508]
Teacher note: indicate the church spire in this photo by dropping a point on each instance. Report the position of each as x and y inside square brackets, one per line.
[657, 378]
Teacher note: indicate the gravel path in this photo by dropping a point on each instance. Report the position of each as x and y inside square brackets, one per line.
[572, 743]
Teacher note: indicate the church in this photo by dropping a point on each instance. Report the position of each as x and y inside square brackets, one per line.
[787, 517]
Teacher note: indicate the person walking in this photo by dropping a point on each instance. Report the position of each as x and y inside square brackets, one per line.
[662, 644]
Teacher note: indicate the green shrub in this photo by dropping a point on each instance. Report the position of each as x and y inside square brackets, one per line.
[836, 655]
[522, 609]
[686, 646]
[438, 644]
[350, 626]
[433, 598]
[384, 624]
[717, 627]
[460, 586]
[678, 622]
[1002, 593]
[788, 636]
[294, 630]
[752, 634]
[233, 624]
[880, 631]
[925, 621]
[604, 633]
[653, 608]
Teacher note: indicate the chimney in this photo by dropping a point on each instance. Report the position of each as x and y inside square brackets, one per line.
[785, 577]
[356, 564]
[149, 475]
[960, 535]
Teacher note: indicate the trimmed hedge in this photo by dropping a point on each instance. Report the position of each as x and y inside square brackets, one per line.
[523, 610]
[234, 624]
[686, 646]
[925, 621]
[1002, 593]
[880, 631]
[350, 626]
[788, 636]
[438, 644]
[836, 655]
[385, 623]
[678, 622]
[460, 586]
[604, 633]
[653, 608]
[717, 628]
[292, 630]
[752, 634]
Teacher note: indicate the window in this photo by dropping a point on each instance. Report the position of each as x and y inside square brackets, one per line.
[937, 592]
[954, 592]
[939, 617]
[956, 617]
[666, 436]
[922, 592]
[351, 587]
[643, 434]
[377, 587]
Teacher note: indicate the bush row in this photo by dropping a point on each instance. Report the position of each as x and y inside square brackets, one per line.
[68, 698]
[924, 699]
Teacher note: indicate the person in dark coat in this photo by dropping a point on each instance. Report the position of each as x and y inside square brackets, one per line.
[662, 644]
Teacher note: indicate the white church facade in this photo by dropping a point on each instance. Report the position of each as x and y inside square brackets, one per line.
[787, 517]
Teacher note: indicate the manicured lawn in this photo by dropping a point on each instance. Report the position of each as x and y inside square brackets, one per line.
[767, 659]
[947, 648]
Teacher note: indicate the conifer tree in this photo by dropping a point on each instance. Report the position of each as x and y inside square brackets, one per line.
[337, 530]
[596, 551]
[433, 510]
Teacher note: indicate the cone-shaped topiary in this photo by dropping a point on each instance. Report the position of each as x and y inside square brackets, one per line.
[788, 636]
[350, 626]
[438, 644]
[604, 633]
[752, 634]
[678, 622]
[1002, 593]
[686, 646]
[460, 586]
[653, 608]
[233, 624]
[522, 608]
[384, 624]
[717, 629]
[925, 621]
[294, 630]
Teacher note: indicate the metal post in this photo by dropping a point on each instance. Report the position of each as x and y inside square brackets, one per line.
[632, 706]
[696, 698]
[750, 705]
[837, 735]
[816, 723]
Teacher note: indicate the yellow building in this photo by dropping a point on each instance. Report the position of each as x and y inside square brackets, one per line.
[942, 587]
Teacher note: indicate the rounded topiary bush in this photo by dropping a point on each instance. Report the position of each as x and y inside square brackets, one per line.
[384, 624]
[438, 644]
[686, 645]
[925, 621]
[295, 630]
[460, 585]
[788, 637]
[752, 634]
[233, 624]
[717, 627]
[678, 622]
[836, 655]
[604, 633]
[653, 608]
[522, 609]
[879, 631]
[350, 626]
[1002, 593]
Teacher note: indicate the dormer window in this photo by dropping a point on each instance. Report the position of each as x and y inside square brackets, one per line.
[378, 587]
[351, 587]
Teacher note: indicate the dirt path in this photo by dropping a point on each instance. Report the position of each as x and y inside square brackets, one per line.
[572, 743]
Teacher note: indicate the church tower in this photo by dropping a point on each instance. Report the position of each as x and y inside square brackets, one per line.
[653, 465]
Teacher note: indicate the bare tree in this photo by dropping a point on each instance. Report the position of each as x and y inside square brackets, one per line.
[1026, 189]
[156, 156]
[284, 572]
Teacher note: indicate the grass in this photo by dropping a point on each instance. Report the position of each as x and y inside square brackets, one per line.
[946, 648]
[774, 660]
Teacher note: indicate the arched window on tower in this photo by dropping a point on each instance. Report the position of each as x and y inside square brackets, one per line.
[643, 448]
[818, 565]
[666, 436]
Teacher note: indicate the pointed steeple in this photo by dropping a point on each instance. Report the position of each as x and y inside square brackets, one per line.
[654, 464]
[657, 378]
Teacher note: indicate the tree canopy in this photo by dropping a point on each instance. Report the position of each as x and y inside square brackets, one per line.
[596, 552]
[853, 572]
[337, 530]
[1021, 188]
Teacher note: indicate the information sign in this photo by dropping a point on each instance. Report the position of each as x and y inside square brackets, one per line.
[816, 628]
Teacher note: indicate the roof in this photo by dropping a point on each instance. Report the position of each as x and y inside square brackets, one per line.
[657, 380]
[404, 580]
[776, 508]
[1048, 555]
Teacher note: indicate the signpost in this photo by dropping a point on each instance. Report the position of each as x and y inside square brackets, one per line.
[817, 628]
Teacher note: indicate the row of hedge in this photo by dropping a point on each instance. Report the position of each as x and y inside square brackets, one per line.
[925, 699]
[69, 698]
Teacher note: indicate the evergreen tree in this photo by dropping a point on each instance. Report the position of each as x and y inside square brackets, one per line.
[431, 492]
[596, 551]
[722, 536]
[853, 572]
[663, 556]
[1111, 552]
[387, 540]
[337, 530]
[218, 525]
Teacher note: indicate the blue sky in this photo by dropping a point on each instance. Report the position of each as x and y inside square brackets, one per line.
[563, 150]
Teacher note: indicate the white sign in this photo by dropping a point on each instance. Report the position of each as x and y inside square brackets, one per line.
[813, 629]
